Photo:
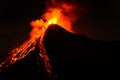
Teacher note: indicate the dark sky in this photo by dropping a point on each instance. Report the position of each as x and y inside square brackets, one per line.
[101, 22]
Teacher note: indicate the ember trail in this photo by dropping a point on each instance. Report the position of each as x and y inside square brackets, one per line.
[52, 15]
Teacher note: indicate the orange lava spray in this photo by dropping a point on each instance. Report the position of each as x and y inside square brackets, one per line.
[53, 15]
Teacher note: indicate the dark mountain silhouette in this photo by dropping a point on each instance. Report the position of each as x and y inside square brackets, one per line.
[73, 57]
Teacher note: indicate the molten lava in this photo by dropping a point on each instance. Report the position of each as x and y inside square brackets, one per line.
[51, 16]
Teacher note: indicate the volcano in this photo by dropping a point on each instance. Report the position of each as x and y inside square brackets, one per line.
[74, 57]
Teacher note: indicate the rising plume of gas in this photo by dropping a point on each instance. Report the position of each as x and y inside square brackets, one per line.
[73, 11]
[67, 17]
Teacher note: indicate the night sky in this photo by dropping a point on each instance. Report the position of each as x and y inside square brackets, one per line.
[101, 22]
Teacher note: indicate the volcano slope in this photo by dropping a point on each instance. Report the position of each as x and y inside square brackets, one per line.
[74, 57]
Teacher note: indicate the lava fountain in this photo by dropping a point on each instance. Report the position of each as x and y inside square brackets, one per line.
[53, 15]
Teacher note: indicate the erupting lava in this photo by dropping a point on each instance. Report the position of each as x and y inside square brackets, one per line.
[53, 15]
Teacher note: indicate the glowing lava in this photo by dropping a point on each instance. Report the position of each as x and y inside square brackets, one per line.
[51, 16]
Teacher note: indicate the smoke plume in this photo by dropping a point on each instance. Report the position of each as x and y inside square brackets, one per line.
[69, 13]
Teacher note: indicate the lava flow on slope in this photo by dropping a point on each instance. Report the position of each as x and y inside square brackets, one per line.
[52, 15]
